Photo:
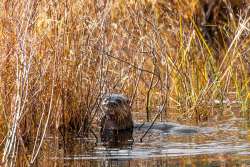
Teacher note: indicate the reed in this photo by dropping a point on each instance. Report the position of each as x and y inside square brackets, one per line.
[58, 58]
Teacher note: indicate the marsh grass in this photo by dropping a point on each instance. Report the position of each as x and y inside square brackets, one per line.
[59, 58]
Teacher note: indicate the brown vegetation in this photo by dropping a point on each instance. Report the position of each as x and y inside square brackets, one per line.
[57, 58]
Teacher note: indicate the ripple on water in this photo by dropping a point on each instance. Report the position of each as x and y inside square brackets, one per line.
[224, 139]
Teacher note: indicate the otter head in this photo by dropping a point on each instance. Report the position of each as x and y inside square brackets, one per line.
[116, 114]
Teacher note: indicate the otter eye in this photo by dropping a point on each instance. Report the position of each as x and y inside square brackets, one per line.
[118, 101]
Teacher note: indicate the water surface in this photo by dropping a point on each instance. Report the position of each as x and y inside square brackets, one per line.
[226, 143]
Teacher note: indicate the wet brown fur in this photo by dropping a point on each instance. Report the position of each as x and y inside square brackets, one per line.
[117, 117]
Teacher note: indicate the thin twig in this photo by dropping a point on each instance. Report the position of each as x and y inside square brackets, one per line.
[160, 111]
[134, 66]
[136, 85]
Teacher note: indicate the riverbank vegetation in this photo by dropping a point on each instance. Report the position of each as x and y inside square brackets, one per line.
[58, 58]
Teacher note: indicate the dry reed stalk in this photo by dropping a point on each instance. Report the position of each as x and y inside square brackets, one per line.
[59, 58]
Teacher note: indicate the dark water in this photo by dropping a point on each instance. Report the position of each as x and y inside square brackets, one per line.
[226, 143]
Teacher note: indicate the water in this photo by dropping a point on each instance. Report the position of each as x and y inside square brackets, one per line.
[226, 143]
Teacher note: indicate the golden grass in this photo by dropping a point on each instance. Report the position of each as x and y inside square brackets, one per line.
[58, 58]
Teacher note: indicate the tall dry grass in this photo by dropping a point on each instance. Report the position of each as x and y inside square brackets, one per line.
[58, 58]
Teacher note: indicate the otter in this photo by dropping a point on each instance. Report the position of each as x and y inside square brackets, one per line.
[117, 124]
[116, 113]
[116, 118]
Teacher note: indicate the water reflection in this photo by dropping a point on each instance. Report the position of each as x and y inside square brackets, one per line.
[117, 138]
[225, 144]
